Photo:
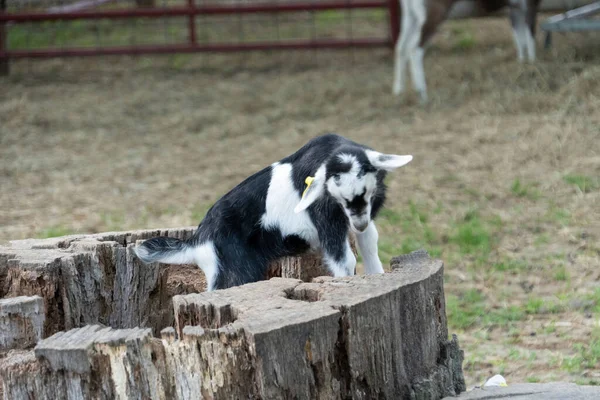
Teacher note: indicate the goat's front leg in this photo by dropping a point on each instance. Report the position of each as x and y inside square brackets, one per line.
[339, 258]
[367, 243]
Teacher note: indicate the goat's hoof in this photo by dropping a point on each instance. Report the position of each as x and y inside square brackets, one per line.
[423, 100]
[397, 91]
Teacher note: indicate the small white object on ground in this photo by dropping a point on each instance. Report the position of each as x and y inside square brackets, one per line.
[496, 380]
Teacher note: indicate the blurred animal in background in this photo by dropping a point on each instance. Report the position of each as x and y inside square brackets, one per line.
[309, 200]
[421, 18]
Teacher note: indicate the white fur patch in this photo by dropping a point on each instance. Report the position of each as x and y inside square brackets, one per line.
[387, 162]
[351, 185]
[282, 198]
[177, 256]
[418, 72]
[206, 258]
[524, 41]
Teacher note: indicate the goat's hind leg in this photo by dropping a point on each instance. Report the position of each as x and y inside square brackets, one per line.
[401, 52]
[522, 33]
[419, 16]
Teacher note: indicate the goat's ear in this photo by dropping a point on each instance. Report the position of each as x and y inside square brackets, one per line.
[312, 193]
[388, 162]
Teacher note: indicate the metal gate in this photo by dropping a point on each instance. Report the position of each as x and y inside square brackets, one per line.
[186, 19]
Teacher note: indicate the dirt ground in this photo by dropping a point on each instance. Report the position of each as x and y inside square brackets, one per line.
[504, 186]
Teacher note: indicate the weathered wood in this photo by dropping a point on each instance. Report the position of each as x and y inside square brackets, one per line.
[90, 362]
[36, 273]
[90, 279]
[377, 336]
[361, 337]
[21, 322]
[353, 337]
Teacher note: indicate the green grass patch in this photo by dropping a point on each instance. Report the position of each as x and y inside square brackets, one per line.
[464, 312]
[532, 379]
[558, 215]
[587, 355]
[54, 231]
[510, 266]
[524, 190]
[585, 183]
[472, 309]
[587, 381]
[595, 298]
[542, 239]
[561, 274]
[465, 41]
[409, 232]
[471, 235]
[514, 354]
[550, 328]
[534, 305]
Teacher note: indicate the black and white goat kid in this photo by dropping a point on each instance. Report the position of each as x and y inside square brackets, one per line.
[275, 213]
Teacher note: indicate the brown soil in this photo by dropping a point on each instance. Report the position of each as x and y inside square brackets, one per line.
[184, 279]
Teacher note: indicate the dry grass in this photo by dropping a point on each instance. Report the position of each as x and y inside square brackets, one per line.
[504, 185]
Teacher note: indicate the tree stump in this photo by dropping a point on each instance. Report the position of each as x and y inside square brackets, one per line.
[21, 322]
[89, 279]
[361, 337]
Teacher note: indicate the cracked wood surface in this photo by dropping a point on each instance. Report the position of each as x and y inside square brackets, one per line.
[378, 336]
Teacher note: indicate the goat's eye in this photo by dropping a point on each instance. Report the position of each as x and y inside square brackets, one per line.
[337, 179]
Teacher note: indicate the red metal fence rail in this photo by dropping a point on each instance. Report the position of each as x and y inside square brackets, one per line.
[191, 10]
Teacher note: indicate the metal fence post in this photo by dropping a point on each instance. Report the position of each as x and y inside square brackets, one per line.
[4, 66]
[192, 22]
[394, 13]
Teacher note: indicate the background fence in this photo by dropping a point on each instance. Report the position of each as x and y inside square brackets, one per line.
[32, 29]
[51, 28]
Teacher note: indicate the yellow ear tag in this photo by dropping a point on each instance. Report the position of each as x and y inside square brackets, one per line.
[309, 180]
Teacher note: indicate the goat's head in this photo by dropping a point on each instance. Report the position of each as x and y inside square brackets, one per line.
[350, 177]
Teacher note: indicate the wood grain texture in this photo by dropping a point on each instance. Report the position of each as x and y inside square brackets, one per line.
[90, 279]
[361, 337]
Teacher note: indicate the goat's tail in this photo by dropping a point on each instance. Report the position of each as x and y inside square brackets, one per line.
[165, 250]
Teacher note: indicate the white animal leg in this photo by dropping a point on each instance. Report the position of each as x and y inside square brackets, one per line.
[367, 243]
[517, 36]
[343, 267]
[419, 15]
[418, 73]
[401, 52]
[530, 45]
[519, 27]
[206, 258]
